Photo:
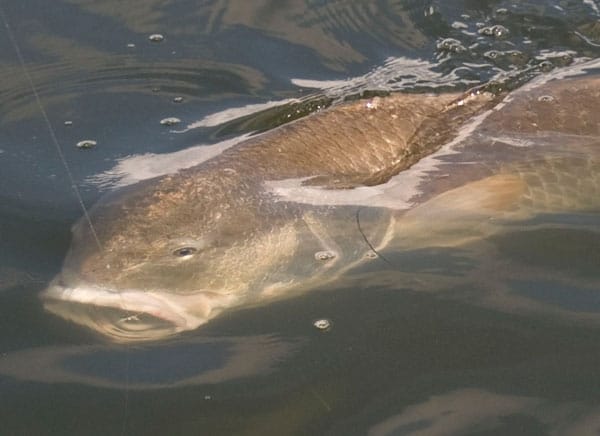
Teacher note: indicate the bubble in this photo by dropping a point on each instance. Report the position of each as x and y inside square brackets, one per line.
[177, 99]
[497, 31]
[546, 66]
[68, 123]
[324, 255]
[171, 121]
[156, 37]
[545, 98]
[451, 45]
[486, 31]
[86, 144]
[500, 31]
[130, 45]
[492, 54]
[515, 54]
[459, 25]
[322, 324]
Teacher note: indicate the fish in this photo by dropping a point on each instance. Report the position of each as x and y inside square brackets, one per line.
[168, 254]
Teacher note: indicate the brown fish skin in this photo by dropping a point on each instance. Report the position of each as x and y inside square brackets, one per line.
[353, 143]
[558, 172]
[245, 243]
[568, 106]
[246, 246]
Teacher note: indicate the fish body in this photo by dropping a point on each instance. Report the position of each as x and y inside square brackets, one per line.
[175, 251]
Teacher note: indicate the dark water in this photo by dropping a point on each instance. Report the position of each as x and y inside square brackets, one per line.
[397, 360]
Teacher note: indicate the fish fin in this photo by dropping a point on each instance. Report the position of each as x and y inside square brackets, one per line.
[464, 214]
[493, 196]
[498, 193]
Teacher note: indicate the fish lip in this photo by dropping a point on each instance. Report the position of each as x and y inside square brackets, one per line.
[159, 305]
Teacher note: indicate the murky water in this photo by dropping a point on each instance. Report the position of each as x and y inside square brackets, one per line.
[499, 336]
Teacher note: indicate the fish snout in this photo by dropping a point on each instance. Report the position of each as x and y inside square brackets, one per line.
[132, 315]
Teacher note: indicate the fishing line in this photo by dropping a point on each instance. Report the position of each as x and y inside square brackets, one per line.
[126, 400]
[379, 255]
[59, 150]
[65, 164]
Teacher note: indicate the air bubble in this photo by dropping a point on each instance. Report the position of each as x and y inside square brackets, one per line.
[546, 98]
[156, 37]
[86, 144]
[68, 123]
[497, 31]
[171, 121]
[492, 54]
[500, 31]
[177, 99]
[322, 324]
[459, 25]
[451, 45]
[324, 255]
[546, 66]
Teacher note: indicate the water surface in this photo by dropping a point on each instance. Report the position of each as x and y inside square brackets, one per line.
[504, 342]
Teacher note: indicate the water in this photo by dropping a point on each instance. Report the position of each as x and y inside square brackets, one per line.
[503, 344]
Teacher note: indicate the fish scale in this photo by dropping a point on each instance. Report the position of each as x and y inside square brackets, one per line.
[491, 161]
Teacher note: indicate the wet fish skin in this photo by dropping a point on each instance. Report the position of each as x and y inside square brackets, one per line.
[558, 170]
[242, 245]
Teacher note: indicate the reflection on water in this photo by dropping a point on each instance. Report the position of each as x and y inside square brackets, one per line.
[322, 27]
[180, 363]
[498, 336]
[474, 411]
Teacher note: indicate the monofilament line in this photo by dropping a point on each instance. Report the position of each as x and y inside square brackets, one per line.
[71, 180]
[61, 155]
[379, 255]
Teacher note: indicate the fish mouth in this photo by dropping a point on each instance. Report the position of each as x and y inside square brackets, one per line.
[128, 315]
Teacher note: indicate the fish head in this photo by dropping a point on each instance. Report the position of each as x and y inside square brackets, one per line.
[166, 257]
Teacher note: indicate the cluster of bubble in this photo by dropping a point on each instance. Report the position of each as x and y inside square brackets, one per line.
[506, 41]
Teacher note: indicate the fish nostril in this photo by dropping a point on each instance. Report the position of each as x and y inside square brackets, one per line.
[184, 251]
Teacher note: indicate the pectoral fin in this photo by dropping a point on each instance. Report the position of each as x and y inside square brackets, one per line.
[463, 214]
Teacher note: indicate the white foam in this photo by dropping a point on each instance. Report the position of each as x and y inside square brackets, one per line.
[227, 115]
[398, 193]
[396, 73]
[592, 4]
[133, 169]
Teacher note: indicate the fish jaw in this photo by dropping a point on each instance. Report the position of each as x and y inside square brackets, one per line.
[133, 315]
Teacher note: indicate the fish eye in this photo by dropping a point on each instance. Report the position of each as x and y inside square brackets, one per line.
[184, 252]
